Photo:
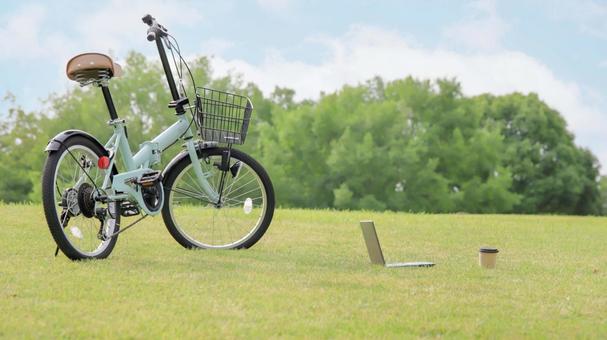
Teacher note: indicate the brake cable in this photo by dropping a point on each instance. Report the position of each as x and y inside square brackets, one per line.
[179, 68]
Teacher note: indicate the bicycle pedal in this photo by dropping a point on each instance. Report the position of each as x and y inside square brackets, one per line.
[149, 179]
[128, 209]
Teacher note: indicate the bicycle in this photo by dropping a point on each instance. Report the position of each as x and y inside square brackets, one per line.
[210, 196]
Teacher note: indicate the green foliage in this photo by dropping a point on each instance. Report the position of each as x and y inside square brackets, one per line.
[343, 197]
[405, 145]
[19, 166]
[549, 171]
[603, 186]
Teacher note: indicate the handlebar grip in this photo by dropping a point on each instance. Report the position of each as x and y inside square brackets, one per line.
[151, 36]
[148, 19]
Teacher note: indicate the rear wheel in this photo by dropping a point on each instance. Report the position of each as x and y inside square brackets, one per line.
[238, 220]
[69, 185]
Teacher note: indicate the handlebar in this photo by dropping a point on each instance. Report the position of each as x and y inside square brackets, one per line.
[155, 29]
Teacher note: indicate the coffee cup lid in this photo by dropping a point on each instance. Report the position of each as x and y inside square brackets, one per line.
[488, 250]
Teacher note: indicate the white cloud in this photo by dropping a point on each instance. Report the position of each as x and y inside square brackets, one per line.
[483, 29]
[121, 25]
[25, 39]
[216, 46]
[368, 51]
[29, 32]
[37, 34]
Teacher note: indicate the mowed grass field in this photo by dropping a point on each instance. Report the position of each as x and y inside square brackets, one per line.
[310, 277]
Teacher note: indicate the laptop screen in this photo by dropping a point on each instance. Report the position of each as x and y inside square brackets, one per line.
[372, 242]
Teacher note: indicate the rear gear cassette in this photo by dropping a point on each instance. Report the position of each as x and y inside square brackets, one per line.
[86, 201]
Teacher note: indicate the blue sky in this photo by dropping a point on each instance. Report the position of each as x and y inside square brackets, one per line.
[555, 48]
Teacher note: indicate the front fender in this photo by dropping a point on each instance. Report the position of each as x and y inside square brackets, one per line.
[55, 143]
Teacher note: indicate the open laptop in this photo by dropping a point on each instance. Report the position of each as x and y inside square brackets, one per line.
[374, 249]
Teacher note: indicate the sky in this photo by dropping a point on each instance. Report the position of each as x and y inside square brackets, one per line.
[557, 49]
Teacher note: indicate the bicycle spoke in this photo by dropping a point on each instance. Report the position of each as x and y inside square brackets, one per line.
[238, 179]
[244, 193]
[63, 178]
[191, 187]
[191, 194]
[236, 203]
[75, 174]
[195, 182]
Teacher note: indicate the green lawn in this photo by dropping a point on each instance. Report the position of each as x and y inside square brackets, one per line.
[310, 277]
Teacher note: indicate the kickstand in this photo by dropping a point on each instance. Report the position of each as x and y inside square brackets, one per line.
[56, 251]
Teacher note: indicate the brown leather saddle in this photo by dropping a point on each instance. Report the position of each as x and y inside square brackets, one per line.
[89, 67]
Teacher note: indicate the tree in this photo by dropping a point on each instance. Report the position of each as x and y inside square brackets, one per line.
[404, 145]
[603, 185]
[19, 166]
[549, 171]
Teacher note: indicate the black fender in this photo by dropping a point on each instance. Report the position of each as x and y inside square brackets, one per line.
[200, 147]
[55, 143]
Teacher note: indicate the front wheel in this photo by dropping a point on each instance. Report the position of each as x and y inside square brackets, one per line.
[237, 220]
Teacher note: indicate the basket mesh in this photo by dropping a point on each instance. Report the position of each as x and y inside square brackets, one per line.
[222, 117]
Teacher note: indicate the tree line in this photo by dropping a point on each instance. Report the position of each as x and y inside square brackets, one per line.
[403, 145]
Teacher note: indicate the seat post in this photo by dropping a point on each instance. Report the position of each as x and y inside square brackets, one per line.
[108, 101]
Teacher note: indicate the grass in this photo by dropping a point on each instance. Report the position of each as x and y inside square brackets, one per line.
[310, 277]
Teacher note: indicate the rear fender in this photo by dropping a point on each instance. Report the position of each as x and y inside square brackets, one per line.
[55, 143]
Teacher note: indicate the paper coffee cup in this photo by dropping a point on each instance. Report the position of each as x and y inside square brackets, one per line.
[487, 257]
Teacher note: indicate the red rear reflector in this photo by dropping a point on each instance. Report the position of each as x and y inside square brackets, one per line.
[103, 162]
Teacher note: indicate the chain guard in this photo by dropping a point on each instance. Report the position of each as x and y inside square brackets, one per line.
[153, 196]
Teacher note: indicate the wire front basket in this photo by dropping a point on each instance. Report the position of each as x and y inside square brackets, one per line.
[222, 117]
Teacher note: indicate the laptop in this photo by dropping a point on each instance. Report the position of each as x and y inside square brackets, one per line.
[374, 249]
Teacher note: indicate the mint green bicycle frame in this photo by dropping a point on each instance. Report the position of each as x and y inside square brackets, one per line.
[149, 154]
